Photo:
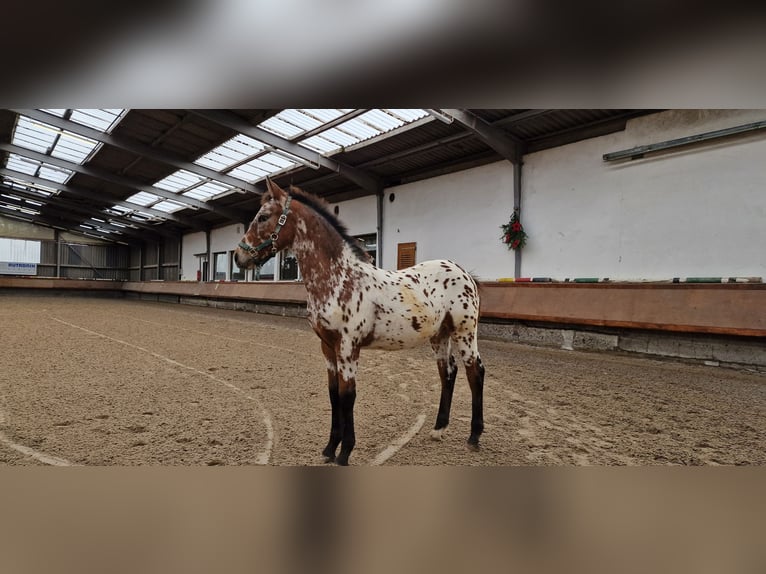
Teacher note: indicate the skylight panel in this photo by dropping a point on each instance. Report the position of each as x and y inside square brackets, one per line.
[75, 150]
[339, 137]
[293, 122]
[258, 168]
[53, 173]
[207, 190]
[408, 115]
[23, 165]
[282, 128]
[168, 206]
[231, 152]
[43, 138]
[320, 144]
[142, 198]
[32, 167]
[31, 135]
[60, 113]
[103, 120]
[178, 181]
[360, 128]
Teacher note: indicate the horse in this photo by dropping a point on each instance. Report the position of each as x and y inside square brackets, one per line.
[352, 304]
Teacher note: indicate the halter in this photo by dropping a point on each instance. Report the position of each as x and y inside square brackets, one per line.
[272, 240]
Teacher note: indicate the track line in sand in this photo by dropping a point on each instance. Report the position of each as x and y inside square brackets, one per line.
[394, 446]
[236, 340]
[30, 452]
[383, 456]
[265, 455]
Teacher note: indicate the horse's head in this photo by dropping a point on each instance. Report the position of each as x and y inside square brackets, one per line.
[267, 233]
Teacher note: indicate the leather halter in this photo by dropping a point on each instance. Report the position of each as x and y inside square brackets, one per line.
[272, 240]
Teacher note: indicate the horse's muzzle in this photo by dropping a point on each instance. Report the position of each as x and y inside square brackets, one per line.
[243, 259]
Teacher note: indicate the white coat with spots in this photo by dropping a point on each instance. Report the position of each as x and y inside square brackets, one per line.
[353, 304]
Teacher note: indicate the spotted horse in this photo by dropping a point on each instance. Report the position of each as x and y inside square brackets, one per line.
[353, 304]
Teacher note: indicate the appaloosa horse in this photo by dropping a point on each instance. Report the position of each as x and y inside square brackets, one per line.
[353, 304]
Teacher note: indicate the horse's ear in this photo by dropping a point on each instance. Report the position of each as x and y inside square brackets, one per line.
[276, 192]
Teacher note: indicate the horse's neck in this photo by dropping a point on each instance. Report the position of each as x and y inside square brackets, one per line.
[324, 257]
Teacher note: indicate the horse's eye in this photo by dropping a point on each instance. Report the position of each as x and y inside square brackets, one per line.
[263, 218]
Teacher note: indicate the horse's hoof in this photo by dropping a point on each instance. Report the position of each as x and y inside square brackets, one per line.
[438, 434]
[328, 459]
[342, 461]
[473, 444]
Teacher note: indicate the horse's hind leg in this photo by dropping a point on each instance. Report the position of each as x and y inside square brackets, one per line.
[447, 373]
[332, 385]
[474, 370]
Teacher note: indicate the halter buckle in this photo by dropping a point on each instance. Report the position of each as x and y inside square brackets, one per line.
[282, 219]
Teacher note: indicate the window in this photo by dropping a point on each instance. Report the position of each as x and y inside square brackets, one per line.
[235, 272]
[288, 268]
[369, 243]
[266, 271]
[405, 255]
[220, 264]
[201, 266]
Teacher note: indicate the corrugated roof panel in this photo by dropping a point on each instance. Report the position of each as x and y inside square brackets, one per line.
[407, 115]
[57, 112]
[178, 181]
[320, 144]
[325, 115]
[262, 166]
[208, 190]
[280, 127]
[359, 129]
[103, 120]
[168, 206]
[291, 123]
[230, 152]
[74, 149]
[143, 198]
[380, 120]
[339, 137]
[54, 173]
[40, 137]
[23, 165]
[33, 135]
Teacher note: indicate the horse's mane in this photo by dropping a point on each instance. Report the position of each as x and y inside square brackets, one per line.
[322, 208]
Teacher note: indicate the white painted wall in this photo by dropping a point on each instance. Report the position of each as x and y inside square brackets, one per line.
[192, 243]
[691, 212]
[455, 216]
[697, 211]
[359, 215]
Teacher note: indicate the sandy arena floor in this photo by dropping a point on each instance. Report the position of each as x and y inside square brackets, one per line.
[114, 382]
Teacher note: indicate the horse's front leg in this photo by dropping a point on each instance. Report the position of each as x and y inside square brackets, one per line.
[348, 358]
[332, 386]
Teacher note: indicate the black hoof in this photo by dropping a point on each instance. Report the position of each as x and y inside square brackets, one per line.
[473, 443]
[342, 460]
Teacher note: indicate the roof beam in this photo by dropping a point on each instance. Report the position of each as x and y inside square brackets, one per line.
[234, 122]
[58, 224]
[93, 196]
[72, 215]
[58, 202]
[134, 146]
[507, 146]
[329, 125]
[118, 179]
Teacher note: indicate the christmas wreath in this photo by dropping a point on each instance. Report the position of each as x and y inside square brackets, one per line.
[513, 233]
